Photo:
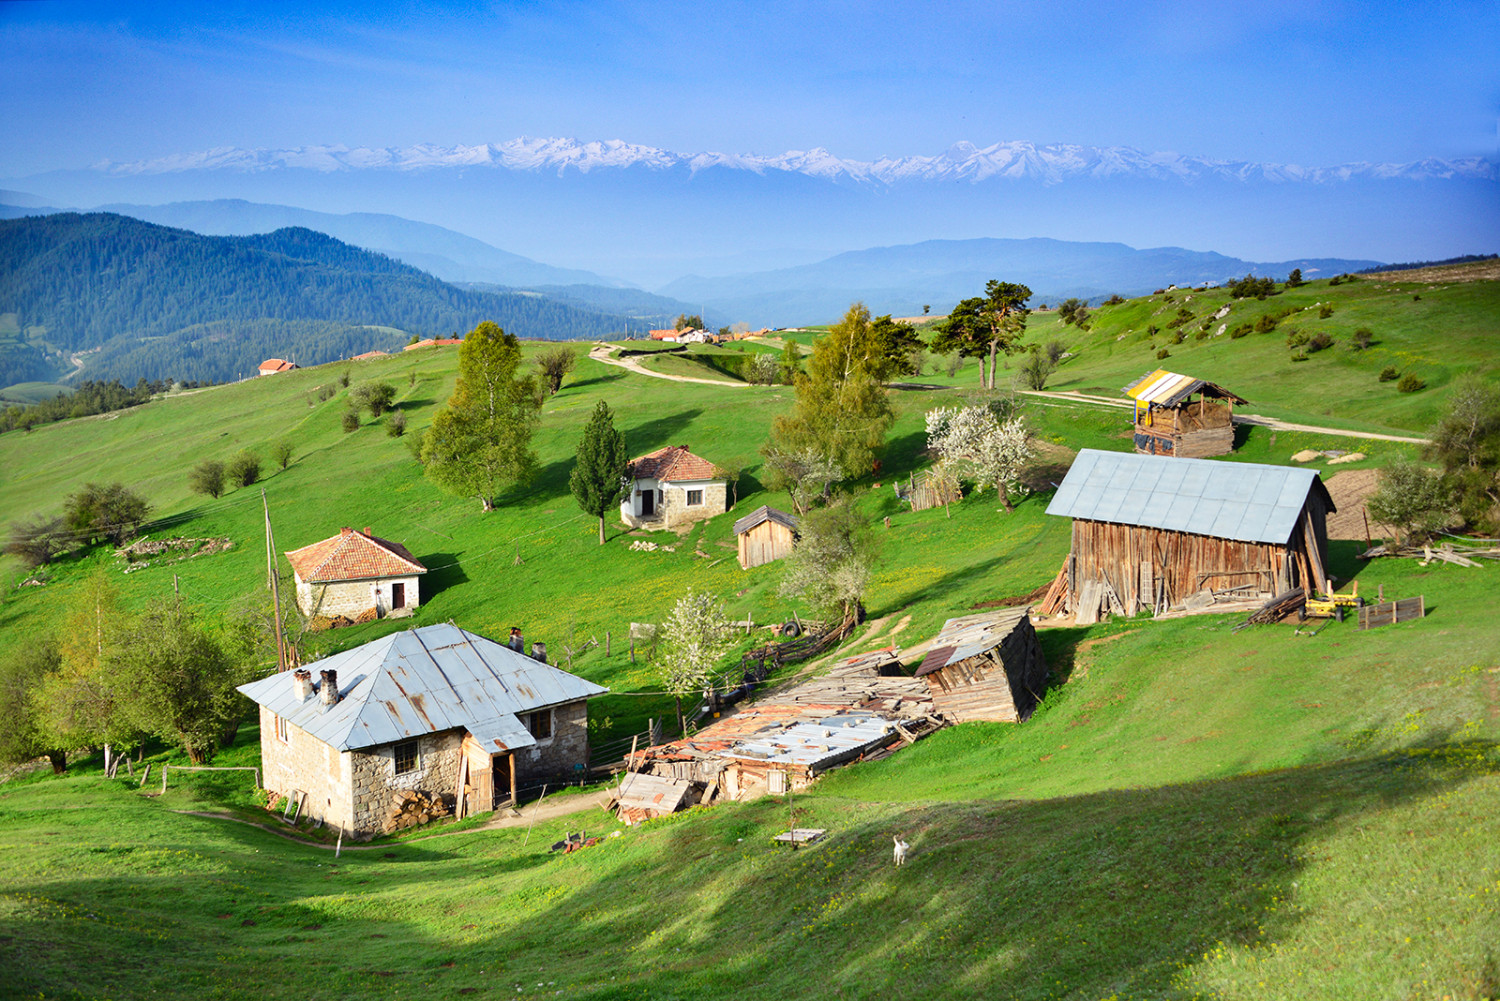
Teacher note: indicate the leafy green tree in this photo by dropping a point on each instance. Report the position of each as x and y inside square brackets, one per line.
[244, 468]
[37, 541]
[554, 364]
[1295, 278]
[686, 321]
[179, 679]
[985, 326]
[1412, 499]
[395, 424]
[281, 453]
[23, 676]
[480, 443]
[1037, 369]
[791, 361]
[898, 345]
[842, 411]
[80, 704]
[100, 511]
[207, 477]
[377, 397]
[1467, 442]
[695, 638]
[598, 477]
[830, 566]
[349, 420]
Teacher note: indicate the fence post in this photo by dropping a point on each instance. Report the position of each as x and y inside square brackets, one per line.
[164, 768]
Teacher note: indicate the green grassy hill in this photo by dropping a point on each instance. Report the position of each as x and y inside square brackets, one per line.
[1191, 812]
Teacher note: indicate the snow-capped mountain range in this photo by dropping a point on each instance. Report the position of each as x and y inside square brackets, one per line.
[1050, 164]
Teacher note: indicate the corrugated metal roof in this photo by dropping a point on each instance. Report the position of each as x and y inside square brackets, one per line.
[1244, 501]
[969, 636]
[762, 514]
[1167, 389]
[807, 745]
[424, 681]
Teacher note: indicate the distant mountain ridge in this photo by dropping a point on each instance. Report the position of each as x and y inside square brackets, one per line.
[902, 279]
[963, 161]
[132, 299]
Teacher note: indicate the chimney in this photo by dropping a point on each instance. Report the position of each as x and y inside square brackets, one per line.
[302, 684]
[346, 530]
[367, 529]
[329, 693]
[539, 652]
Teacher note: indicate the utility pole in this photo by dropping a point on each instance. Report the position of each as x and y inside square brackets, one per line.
[281, 664]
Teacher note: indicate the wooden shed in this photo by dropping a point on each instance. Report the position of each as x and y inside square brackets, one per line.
[765, 534]
[986, 667]
[1150, 532]
[1170, 421]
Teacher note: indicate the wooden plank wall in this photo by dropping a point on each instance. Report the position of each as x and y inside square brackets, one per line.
[1003, 684]
[1180, 563]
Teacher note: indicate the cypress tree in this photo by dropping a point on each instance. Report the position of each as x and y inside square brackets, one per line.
[598, 475]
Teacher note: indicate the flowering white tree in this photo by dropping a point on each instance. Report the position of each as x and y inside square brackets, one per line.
[981, 444]
[694, 638]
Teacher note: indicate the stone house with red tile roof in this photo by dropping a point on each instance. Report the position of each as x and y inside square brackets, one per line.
[273, 365]
[355, 574]
[671, 487]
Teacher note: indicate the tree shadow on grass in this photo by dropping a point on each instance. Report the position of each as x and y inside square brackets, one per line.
[443, 571]
[611, 375]
[551, 480]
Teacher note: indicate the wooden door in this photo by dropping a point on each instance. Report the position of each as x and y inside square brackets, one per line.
[398, 596]
[648, 503]
[500, 780]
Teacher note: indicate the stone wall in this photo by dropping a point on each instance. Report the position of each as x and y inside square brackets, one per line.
[555, 758]
[675, 506]
[374, 778]
[303, 763]
[354, 598]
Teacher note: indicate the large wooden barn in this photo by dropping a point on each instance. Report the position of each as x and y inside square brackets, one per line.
[1155, 531]
[1169, 421]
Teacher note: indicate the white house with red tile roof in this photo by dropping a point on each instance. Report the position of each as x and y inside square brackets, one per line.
[671, 487]
[355, 574]
[273, 365]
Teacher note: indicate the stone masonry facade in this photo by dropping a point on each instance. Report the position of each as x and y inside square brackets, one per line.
[673, 509]
[356, 597]
[351, 790]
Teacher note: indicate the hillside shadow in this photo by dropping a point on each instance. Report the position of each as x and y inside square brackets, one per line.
[414, 404]
[609, 375]
[444, 571]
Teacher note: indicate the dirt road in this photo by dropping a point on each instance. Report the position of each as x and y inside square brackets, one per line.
[600, 353]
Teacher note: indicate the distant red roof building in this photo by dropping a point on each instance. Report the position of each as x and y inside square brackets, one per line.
[371, 354]
[352, 555]
[434, 342]
[273, 365]
[670, 334]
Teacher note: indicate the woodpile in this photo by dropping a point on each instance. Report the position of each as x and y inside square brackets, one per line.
[412, 808]
[1461, 554]
[1286, 603]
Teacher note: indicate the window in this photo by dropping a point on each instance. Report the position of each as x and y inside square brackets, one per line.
[406, 757]
[282, 734]
[540, 724]
[695, 498]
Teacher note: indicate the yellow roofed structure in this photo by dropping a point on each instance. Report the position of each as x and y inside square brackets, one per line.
[1169, 421]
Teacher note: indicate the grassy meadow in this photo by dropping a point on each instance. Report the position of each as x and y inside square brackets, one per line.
[1192, 812]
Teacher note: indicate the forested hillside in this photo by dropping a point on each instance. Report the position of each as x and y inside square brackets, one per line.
[154, 301]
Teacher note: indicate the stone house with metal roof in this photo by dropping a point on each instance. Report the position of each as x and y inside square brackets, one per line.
[437, 710]
[356, 575]
[672, 487]
[1152, 532]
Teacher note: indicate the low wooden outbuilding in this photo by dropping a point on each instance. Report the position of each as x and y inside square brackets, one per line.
[765, 534]
[986, 667]
[1169, 421]
[1151, 532]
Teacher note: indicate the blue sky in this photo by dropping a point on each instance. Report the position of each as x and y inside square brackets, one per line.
[1305, 82]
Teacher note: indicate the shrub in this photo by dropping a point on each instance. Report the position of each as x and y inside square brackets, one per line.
[1251, 286]
[1361, 339]
[1389, 374]
[1295, 278]
[1295, 339]
[344, 379]
[1265, 324]
[1410, 383]
[955, 363]
[99, 511]
[1163, 354]
[1416, 298]
[281, 453]
[325, 392]
[395, 425]
[1036, 369]
[350, 420]
[207, 477]
[1114, 300]
[1300, 356]
[1243, 330]
[1325, 311]
[37, 542]
[1152, 330]
[1201, 335]
[1177, 337]
[377, 396]
[243, 469]
[1335, 280]
[1319, 342]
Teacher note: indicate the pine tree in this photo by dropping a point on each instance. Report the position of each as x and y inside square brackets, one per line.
[598, 474]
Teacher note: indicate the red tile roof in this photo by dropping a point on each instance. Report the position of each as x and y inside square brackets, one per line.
[663, 335]
[275, 365]
[370, 354]
[434, 342]
[675, 462]
[352, 555]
